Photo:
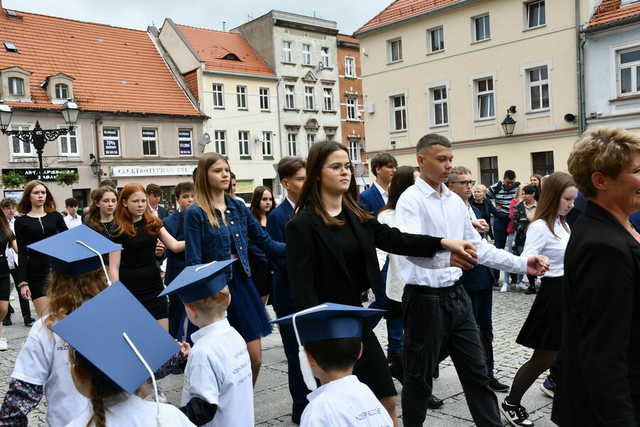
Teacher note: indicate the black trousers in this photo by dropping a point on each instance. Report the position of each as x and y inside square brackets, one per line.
[481, 304]
[433, 318]
[24, 304]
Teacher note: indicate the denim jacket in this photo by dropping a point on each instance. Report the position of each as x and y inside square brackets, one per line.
[205, 243]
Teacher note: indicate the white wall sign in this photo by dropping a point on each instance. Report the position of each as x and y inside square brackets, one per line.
[124, 171]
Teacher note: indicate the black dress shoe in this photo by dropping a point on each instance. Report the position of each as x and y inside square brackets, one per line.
[531, 290]
[497, 386]
[7, 320]
[28, 321]
[434, 403]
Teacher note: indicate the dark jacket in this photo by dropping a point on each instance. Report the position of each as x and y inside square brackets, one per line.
[600, 356]
[281, 297]
[479, 277]
[371, 200]
[521, 224]
[174, 224]
[484, 210]
[317, 270]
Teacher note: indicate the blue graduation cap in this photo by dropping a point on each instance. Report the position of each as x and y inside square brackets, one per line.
[102, 329]
[199, 281]
[75, 251]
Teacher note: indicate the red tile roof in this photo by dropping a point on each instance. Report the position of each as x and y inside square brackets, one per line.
[348, 39]
[115, 69]
[610, 11]
[402, 9]
[212, 46]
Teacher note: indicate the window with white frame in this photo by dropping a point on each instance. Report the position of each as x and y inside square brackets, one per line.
[629, 71]
[241, 96]
[220, 142]
[324, 57]
[185, 142]
[291, 139]
[481, 28]
[243, 143]
[439, 106]
[436, 39]
[150, 142]
[311, 139]
[308, 98]
[485, 98]
[18, 147]
[328, 99]
[264, 99]
[394, 50]
[352, 108]
[349, 66]
[354, 149]
[398, 113]
[218, 95]
[535, 14]
[287, 51]
[290, 96]
[538, 82]
[266, 144]
[62, 91]
[111, 141]
[16, 86]
[68, 144]
[306, 54]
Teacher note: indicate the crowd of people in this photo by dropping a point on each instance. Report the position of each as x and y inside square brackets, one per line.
[428, 241]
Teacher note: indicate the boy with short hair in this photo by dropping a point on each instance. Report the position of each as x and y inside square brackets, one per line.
[218, 387]
[72, 219]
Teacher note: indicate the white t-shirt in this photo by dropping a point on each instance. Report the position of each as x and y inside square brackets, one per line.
[44, 360]
[132, 411]
[72, 222]
[540, 241]
[395, 281]
[344, 403]
[219, 371]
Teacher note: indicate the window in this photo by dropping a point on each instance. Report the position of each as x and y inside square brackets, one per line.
[440, 107]
[62, 91]
[352, 108]
[266, 144]
[436, 39]
[20, 148]
[243, 143]
[629, 71]
[287, 53]
[68, 144]
[535, 14]
[542, 163]
[349, 66]
[485, 103]
[185, 142]
[308, 97]
[16, 86]
[241, 95]
[149, 142]
[111, 141]
[218, 95]
[290, 96]
[10, 47]
[398, 113]
[354, 150]
[264, 99]
[395, 50]
[220, 142]
[311, 138]
[328, 99]
[488, 170]
[306, 54]
[538, 81]
[324, 57]
[481, 28]
[291, 138]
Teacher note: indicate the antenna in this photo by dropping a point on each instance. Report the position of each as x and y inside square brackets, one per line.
[224, 25]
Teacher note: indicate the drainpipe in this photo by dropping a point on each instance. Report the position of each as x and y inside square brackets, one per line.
[276, 182]
[580, 42]
[97, 147]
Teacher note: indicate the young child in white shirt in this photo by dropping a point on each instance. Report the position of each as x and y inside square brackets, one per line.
[218, 388]
[331, 336]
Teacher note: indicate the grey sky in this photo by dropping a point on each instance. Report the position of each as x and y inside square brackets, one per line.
[350, 15]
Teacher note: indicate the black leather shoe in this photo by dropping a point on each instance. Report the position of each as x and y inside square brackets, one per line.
[434, 403]
[28, 321]
[7, 320]
[531, 290]
[497, 386]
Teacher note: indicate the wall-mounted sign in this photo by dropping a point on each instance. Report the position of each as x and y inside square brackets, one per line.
[158, 170]
[48, 174]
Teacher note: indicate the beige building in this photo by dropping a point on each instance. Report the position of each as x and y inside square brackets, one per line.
[456, 67]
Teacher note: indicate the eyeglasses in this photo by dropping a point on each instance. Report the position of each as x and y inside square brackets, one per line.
[470, 182]
[337, 167]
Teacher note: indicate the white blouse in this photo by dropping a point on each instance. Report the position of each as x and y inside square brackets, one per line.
[395, 282]
[540, 241]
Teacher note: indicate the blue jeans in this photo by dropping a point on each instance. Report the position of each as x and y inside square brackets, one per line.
[395, 330]
[511, 237]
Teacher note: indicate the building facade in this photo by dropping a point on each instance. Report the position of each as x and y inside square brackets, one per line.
[456, 67]
[303, 53]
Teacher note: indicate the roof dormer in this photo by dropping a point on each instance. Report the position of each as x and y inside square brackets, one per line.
[14, 84]
[59, 88]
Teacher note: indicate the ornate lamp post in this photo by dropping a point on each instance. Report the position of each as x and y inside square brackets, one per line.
[37, 136]
[508, 124]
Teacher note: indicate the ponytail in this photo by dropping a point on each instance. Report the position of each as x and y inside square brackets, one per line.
[98, 418]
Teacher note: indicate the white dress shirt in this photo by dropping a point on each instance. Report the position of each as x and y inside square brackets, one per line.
[12, 256]
[72, 221]
[395, 282]
[383, 192]
[540, 241]
[422, 210]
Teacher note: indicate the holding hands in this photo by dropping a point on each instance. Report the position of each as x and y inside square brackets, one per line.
[463, 253]
[537, 265]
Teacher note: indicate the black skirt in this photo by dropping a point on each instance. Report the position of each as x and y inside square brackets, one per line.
[543, 328]
[372, 368]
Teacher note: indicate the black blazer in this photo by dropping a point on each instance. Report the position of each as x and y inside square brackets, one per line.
[600, 356]
[317, 270]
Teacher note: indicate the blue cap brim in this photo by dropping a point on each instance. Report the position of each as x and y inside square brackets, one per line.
[197, 282]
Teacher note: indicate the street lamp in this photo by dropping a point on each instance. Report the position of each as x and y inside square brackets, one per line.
[508, 124]
[38, 136]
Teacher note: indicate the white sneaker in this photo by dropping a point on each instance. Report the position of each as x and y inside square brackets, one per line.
[504, 288]
[522, 285]
[3, 344]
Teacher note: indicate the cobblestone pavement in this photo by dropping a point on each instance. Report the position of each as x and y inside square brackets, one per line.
[272, 400]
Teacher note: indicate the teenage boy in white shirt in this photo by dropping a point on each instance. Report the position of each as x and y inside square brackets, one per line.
[436, 308]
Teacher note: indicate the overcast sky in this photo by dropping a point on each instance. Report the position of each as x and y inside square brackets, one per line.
[200, 13]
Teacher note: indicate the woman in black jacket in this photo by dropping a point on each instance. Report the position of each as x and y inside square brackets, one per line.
[333, 242]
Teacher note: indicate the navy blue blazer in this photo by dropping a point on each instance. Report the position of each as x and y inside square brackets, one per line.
[371, 200]
[479, 277]
[281, 297]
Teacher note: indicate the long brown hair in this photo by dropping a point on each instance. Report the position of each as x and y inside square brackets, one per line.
[66, 292]
[24, 207]
[256, 198]
[402, 179]
[547, 210]
[203, 194]
[310, 195]
[93, 217]
[5, 228]
[125, 220]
